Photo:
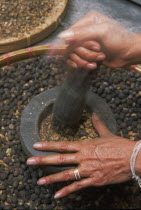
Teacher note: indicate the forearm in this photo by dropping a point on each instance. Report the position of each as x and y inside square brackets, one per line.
[134, 55]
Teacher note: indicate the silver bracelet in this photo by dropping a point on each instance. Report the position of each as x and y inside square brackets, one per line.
[136, 149]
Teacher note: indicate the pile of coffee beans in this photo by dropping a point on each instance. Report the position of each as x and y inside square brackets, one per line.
[18, 182]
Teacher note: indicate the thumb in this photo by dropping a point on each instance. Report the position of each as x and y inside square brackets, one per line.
[81, 34]
[101, 128]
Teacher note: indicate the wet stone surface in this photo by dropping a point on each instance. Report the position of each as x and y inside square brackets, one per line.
[18, 182]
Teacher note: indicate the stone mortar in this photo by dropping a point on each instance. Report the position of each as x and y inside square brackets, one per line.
[38, 109]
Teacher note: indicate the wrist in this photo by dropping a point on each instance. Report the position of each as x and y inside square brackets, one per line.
[126, 161]
[133, 55]
[138, 164]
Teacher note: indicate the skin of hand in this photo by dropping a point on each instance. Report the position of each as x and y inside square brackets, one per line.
[89, 50]
[116, 44]
[103, 161]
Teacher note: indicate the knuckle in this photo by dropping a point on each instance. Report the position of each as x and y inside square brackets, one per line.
[63, 146]
[71, 63]
[75, 158]
[89, 43]
[97, 181]
[49, 179]
[93, 180]
[61, 158]
[91, 57]
[67, 190]
[79, 157]
[82, 63]
[67, 175]
[78, 185]
[38, 160]
[73, 56]
[78, 50]
[76, 34]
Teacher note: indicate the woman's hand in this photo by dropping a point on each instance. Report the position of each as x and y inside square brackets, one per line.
[85, 55]
[112, 43]
[103, 161]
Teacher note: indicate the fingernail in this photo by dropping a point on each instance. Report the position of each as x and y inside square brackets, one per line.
[100, 57]
[41, 181]
[57, 195]
[95, 117]
[91, 66]
[67, 35]
[31, 161]
[37, 145]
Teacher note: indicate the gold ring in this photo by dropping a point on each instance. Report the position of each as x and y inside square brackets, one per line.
[77, 174]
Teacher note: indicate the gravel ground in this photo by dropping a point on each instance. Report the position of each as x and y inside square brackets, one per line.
[18, 182]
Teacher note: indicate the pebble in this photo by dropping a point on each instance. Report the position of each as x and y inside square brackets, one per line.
[15, 184]
[7, 207]
[11, 126]
[3, 197]
[2, 187]
[3, 176]
[34, 196]
[78, 198]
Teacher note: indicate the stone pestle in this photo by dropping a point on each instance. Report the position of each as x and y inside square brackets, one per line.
[71, 99]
